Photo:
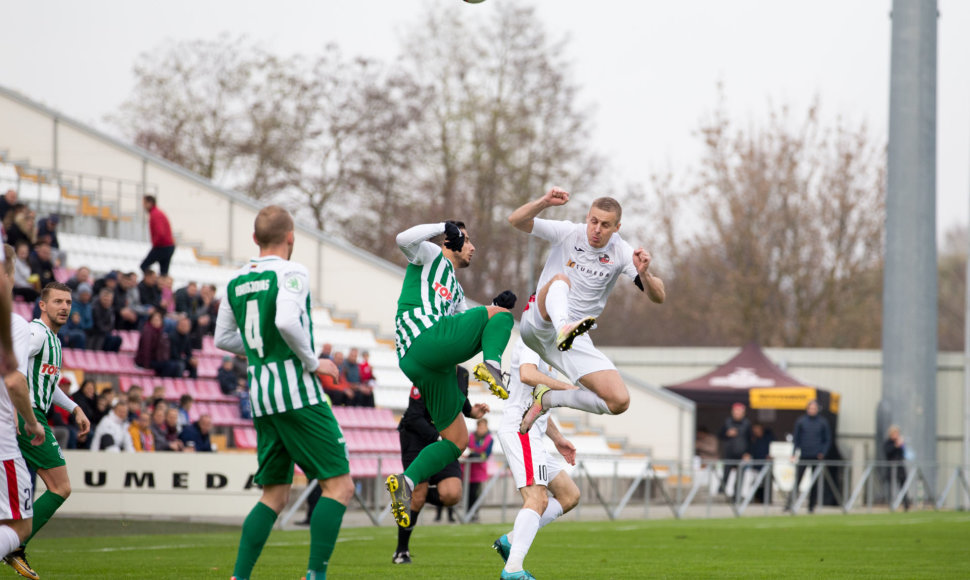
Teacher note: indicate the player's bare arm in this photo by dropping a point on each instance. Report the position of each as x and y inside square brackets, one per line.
[16, 384]
[652, 285]
[530, 375]
[563, 445]
[8, 360]
[521, 219]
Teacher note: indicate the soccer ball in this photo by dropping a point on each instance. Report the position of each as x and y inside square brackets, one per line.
[473, 1]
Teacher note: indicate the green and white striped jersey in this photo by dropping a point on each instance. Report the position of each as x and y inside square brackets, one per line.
[430, 291]
[43, 364]
[268, 299]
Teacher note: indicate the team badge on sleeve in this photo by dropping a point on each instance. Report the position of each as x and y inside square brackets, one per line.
[293, 282]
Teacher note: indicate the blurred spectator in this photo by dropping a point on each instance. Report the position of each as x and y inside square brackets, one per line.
[21, 226]
[47, 231]
[83, 307]
[206, 320]
[185, 405]
[351, 370]
[895, 449]
[366, 372]
[705, 445]
[188, 300]
[72, 334]
[735, 436]
[158, 396]
[61, 421]
[109, 281]
[181, 348]
[155, 350]
[480, 448]
[326, 351]
[87, 400]
[761, 439]
[166, 435]
[149, 294]
[81, 276]
[141, 433]
[8, 200]
[129, 312]
[42, 264]
[227, 377]
[195, 436]
[102, 335]
[163, 243]
[167, 297]
[24, 281]
[812, 440]
[136, 401]
[105, 399]
[245, 402]
[112, 431]
[339, 390]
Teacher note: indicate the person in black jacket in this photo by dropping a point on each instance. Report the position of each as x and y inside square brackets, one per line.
[813, 437]
[443, 488]
[895, 451]
[735, 436]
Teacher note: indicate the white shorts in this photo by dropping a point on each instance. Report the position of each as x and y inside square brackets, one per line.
[579, 361]
[16, 492]
[528, 459]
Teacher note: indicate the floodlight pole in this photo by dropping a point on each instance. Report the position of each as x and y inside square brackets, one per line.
[909, 332]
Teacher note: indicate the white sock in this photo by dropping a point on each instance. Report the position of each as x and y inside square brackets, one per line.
[495, 364]
[553, 511]
[9, 540]
[410, 483]
[525, 528]
[576, 399]
[557, 303]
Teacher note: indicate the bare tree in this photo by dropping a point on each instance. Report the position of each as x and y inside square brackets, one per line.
[788, 247]
[953, 289]
[503, 124]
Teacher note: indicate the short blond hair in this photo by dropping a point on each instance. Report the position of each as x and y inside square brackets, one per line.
[608, 204]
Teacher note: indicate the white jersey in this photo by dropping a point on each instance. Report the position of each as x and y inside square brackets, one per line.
[592, 271]
[20, 333]
[520, 394]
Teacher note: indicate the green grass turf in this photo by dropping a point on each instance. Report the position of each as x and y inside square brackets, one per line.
[912, 545]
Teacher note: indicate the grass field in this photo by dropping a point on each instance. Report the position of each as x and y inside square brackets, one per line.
[913, 545]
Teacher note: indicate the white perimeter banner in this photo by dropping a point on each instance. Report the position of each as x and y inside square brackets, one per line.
[160, 484]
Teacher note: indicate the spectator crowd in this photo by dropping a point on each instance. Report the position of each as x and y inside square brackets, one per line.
[130, 422]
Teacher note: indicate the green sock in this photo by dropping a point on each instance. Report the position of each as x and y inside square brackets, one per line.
[495, 336]
[255, 532]
[44, 509]
[324, 527]
[431, 460]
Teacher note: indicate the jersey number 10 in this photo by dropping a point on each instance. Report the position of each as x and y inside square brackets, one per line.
[252, 332]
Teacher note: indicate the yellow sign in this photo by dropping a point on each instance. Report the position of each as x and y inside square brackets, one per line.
[785, 398]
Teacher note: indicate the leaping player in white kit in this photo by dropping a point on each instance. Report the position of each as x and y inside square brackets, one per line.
[16, 490]
[534, 470]
[583, 266]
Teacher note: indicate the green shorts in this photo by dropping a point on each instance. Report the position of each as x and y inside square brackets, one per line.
[431, 359]
[48, 454]
[309, 437]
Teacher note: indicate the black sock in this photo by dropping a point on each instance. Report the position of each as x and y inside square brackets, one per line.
[404, 534]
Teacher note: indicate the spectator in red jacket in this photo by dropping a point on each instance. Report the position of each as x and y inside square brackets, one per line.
[163, 244]
[479, 448]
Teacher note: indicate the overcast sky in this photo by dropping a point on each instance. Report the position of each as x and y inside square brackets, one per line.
[649, 68]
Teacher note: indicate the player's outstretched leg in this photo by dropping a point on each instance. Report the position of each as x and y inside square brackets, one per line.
[400, 489]
[503, 546]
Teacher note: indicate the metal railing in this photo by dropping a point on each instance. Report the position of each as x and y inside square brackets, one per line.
[625, 488]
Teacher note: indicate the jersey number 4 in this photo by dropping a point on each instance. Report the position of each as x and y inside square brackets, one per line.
[252, 332]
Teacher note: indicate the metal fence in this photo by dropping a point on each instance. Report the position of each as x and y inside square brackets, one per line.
[615, 488]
